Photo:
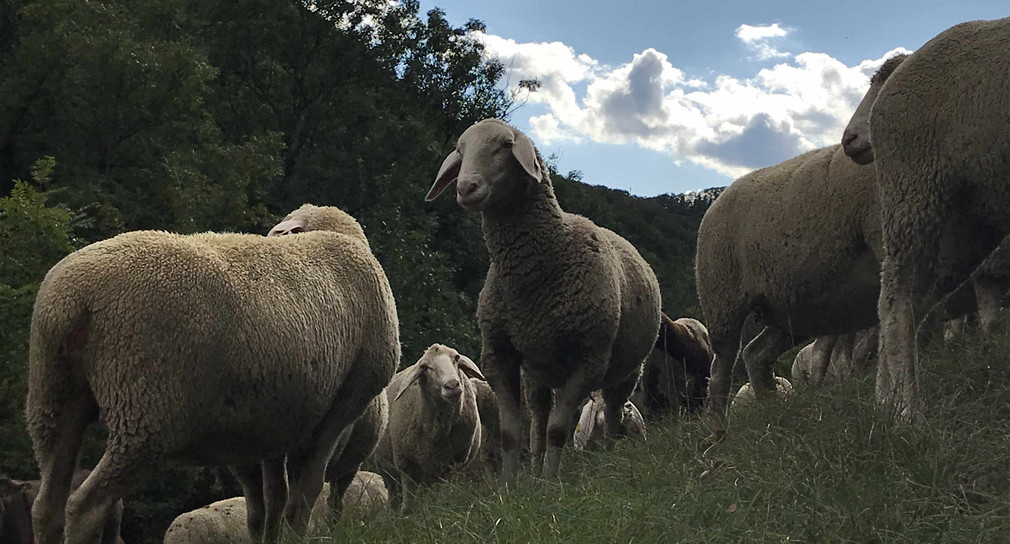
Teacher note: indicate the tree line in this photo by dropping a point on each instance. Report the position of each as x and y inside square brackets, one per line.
[189, 116]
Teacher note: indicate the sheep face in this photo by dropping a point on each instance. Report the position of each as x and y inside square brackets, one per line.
[440, 373]
[856, 138]
[492, 164]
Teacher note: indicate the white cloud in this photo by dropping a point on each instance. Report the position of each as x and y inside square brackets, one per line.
[749, 33]
[725, 123]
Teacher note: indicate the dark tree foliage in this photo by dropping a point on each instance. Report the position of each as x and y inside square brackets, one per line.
[188, 115]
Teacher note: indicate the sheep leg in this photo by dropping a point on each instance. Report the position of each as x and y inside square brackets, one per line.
[759, 355]
[539, 401]
[566, 402]
[989, 296]
[503, 374]
[725, 335]
[338, 488]
[250, 477]
[896, 387]
[821, 359]
[95, 501]
[275, 495]
[351, 401]
[57, 442]
[614, 399]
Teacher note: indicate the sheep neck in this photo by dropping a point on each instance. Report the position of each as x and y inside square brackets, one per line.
[439, 414]
[526, 231]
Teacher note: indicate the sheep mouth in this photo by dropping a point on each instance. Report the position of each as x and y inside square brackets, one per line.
[472, 201]
[861, 155]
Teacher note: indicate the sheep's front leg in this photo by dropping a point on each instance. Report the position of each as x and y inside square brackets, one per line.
[897, 390]
[566, 402]
[539, 401]
[502, 370]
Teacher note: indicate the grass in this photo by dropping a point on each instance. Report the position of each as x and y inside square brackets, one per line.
[823, 466]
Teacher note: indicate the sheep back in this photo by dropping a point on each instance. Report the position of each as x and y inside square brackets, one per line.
[214, 335]
[771, 236]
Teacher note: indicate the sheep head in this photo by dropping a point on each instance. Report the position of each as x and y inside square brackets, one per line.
[440, 372]
[312, 218]
[856, 138]
[492, 161]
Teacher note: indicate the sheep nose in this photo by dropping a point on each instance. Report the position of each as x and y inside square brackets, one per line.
[451, 388]
[848, 137]
[465, 188]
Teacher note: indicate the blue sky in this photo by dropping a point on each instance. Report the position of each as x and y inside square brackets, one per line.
[655, 96]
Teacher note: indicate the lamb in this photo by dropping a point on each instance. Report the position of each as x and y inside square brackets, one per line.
[938, 136]
[16, 498]
[834, 359]
[573, 304]
[676, 372]
[804, 272]
[211, 348]
[434, 422]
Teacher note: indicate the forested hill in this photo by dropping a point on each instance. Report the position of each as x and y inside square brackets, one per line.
[186, 115]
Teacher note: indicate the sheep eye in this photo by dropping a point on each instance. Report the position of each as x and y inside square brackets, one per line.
[509, 143]
[456, 359]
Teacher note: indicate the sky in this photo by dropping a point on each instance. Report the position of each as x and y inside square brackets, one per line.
[654, 96]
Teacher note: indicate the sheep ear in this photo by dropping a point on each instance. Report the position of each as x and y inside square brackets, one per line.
[415, 373]
[469, 368]
[446, 175]
[288, 226]
[523, 151]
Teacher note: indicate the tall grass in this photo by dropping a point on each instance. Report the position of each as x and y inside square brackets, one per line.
[823, 466]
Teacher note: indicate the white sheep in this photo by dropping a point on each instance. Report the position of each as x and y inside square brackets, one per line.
[938, 137]
[211, 348]
[434, 423]
[224, 522]
[489, 458]
[796, 243]
[835, 358]
[745, 395]
[575, 305]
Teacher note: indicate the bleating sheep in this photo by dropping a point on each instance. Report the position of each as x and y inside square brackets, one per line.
[210, 348]
[836, 358]
[938, 136]
[434, 423]
[798, 244]
[16, 498]
[745, 395]
[676, 372]
[573, 304]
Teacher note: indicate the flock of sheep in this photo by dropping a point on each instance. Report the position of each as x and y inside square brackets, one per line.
[277, 355]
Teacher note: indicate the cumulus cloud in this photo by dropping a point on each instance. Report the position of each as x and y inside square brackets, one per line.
[729, 124]
[759, 39]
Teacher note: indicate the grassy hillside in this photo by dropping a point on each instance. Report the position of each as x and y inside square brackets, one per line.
[821, 467]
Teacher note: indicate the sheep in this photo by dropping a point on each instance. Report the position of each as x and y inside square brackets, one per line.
[588, 433]
[836, 358]
[676, 372]
[224, 522]
[573, 304]
[798, 244]
[434, 421]
[240, 349]
[16, 498]
[938, 137]
[745, 395]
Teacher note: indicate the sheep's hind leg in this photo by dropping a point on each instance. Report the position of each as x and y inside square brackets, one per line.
[94, 502]
[614, 399]
[250, 477]
[760, 354]
[56, 445]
